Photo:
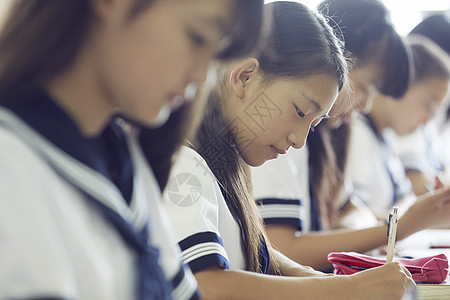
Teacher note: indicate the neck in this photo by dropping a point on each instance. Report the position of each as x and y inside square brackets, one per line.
[78, 91]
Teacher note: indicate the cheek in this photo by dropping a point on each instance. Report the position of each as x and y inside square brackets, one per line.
[408, 119]
[277, 130]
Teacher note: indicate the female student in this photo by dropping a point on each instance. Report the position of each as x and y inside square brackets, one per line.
[300, 192]
[262, 106]
[423, 153]
[376, 171]
[80, 213]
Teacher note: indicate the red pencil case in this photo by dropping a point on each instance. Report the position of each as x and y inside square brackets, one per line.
[430, 269]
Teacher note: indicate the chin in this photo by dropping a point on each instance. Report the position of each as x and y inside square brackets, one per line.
[404, 132]
[157, 120]
[254, 162]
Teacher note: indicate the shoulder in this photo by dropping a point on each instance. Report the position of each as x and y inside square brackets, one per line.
[189, 159]
[286, 177]
[360, 126]
[363, 140]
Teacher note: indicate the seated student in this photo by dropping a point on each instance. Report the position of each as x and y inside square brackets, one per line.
[262, 106]
[76, 220]
[423, 152]
[377, 173]
[299, 192]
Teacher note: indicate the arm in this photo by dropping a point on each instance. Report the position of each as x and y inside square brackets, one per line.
[387, 282]
[312, 249]
[422, 184]
[288, 267]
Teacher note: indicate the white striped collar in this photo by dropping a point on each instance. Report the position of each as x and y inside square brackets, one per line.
[82, 176]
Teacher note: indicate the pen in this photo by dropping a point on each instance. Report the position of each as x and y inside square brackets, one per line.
[392, 233]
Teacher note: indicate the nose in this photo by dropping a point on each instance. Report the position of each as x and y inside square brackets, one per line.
[297, 138]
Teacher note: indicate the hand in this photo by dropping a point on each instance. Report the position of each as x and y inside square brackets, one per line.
[438, 184]
[390, 281]
[430, 210]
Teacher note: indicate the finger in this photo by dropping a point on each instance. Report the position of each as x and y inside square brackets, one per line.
[438, 183]
[407, 272]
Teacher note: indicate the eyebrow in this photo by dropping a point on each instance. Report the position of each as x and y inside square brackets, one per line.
[217, 21]
[313, 102]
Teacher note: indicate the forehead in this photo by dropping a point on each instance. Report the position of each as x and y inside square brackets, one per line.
[218, 12]
[370, 72]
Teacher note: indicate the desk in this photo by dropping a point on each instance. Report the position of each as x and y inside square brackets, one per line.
[418, 245]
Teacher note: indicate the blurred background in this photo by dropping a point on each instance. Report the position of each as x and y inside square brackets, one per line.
[405, 14]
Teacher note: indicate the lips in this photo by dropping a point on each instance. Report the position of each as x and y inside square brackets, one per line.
[276, 151]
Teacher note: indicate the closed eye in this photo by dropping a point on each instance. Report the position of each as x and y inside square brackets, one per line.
[196, 38]
[299, 112]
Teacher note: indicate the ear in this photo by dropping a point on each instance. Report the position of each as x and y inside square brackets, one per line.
[241, 74]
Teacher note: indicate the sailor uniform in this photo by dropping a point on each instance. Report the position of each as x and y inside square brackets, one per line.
[71, 225]
[377, 173]
[281, 187]
[204, 226]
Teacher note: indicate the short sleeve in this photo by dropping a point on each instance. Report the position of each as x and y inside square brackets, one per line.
[376, 172]
[421, 150]
[367, 169]
[281, 190]
[192, 198]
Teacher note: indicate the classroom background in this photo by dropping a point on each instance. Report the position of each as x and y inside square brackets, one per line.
[405, 14]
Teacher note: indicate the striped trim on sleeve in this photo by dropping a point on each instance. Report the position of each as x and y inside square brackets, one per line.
[203, 250]
[185, 287]
[281, 211]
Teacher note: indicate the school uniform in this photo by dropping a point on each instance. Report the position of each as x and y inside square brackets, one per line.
[377, 173]
[420, 151]
[281, 189]
[80, 218]
[204, 225]
[285, 196]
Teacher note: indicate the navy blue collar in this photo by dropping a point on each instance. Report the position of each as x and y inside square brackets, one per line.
[106, 153]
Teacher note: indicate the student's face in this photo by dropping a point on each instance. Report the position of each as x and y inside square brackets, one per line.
[418, 105]
[272, 117]
[364, 80]
[146, 62]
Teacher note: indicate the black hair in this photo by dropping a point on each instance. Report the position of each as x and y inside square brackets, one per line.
[369, 33]
[436, 28]
[429, 59]
[299, 43]
[41, 38]
[328, 149]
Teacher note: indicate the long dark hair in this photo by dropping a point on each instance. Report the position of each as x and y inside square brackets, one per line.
[369, 35]
[299, 43]
[327, 159]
